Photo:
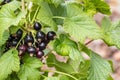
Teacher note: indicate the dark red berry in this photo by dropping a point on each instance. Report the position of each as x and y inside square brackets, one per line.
[39, 54]
[40, 36]
[19, 33]
[22, 48]
[31, 50]
[29, 39]
[37, 26]
[42, 45]
[14, 43]
[51, 35]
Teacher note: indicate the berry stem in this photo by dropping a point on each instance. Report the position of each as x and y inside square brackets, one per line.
[35, 14]
[59, 17]
[20, 41]
[23, 5]
[61, 73]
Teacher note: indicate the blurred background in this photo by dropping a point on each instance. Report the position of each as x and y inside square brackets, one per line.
[110, 53]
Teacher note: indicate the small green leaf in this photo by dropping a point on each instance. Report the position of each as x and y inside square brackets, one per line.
[9, 63]
[30, 69]
[79, 23]
[45, 16]
[60, 66]
[8, 17]
[66, 47]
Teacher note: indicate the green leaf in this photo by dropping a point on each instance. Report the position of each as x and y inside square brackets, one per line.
[13, 29]
[101, 6]
[100, 69]
[30, 69]
[65, 46]
[79, 23]
[38, 2]
[111, 32]
[5, 36]
[45, 16]
[63, 77]
[51, 78]
[60, 66]
[91, 7]
[13, 76]
[8, 17]
[55, 2]
[9, 63]
[2, 49]
[59, 11]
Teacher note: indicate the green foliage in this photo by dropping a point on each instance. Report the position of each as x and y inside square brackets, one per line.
[77, 22]
[98, 66]
[111, 32]
[8, 17]
[93, 6]
[45, 16]
[30, 69]
[9, 63]
[73, 22]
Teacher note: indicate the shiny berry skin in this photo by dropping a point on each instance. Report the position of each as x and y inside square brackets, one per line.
[19, 33]
[31, 50]
[29, 39]
[42, 45]
[40, 36]
[14, 43]
[39, 54]
[22, 48]
[51, 35]
[37, 26]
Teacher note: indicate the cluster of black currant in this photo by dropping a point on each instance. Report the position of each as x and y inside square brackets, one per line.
[30, 44]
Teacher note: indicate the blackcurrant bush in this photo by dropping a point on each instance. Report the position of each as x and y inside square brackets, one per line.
[14, 43]
[22, 49]
[19, 33]
[42, 45]
[51, 35]
[37, 26]
[31, 50]
[40, 36]
[39, 54]
[29, 39]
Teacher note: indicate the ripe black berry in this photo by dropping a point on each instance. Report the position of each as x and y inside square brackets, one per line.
[14, 43]
[29, 39]
[51, 35]
[37, 26]
[40, 36]
[39, 54]
[42, 45]
[19, 33]
[31, 50]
